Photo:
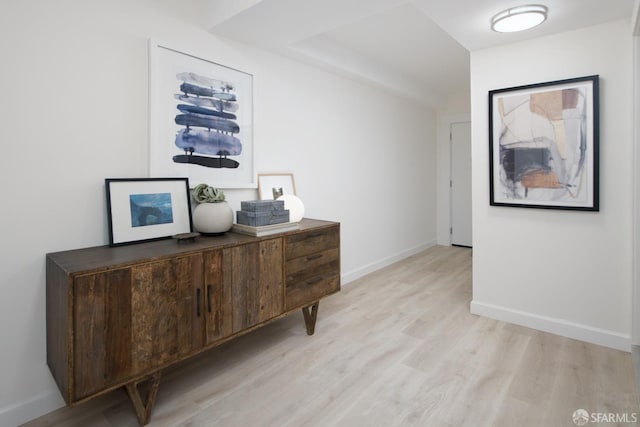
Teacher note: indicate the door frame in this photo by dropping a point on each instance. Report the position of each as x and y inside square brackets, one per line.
[635, 288]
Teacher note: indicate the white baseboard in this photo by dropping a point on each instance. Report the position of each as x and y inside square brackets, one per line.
[555, 326]
[27, 410]
[374, 266]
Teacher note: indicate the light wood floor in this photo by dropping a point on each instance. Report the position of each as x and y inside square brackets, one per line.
[395, 348]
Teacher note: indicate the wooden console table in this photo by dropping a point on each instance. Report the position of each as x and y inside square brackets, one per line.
[116, 317]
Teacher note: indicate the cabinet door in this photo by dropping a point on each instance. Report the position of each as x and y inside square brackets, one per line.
[167, 311]
[257, 282]
[218, 307]
[102, 331]
[131, 320]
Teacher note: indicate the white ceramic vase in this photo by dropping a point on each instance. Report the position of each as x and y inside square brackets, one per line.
[213, 218]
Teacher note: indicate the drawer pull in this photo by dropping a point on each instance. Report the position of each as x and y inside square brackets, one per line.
[209, 298]
[315, 234]
[312, 257]
[198, 301]
[314, 281]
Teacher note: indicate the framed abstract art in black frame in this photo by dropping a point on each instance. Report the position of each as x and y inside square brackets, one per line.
[544, 145]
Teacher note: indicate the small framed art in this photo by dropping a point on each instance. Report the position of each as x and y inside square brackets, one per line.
[273, 185]
[544, 145]
[144, 209]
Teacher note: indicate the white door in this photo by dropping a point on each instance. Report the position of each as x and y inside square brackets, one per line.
[461, 184]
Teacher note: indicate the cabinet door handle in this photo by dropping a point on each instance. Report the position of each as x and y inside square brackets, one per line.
[315, 234]
[312, 257]
[314, 281]
[198, 302]
[209, 298]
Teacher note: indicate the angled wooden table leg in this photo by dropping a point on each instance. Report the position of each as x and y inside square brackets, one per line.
[143, 410]
[310, 317]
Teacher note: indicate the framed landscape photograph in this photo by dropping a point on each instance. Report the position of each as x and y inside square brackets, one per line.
[273, 185]
[544, 145]
[143, 209]
[201, 119]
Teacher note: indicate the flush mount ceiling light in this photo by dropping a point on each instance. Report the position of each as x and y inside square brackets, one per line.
[519, 18]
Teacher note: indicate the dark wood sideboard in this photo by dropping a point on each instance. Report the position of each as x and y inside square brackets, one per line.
[117, 316]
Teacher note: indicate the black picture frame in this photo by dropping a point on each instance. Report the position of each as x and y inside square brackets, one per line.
[544, 145]
[147, 209]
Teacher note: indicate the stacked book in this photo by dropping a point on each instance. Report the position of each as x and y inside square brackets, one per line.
[262, 218]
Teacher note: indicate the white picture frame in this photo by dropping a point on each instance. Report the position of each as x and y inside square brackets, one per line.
[273, 185]
[201, 119]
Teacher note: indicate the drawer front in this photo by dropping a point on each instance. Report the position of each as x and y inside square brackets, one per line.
[308, 290]
[296, 265]
[312, 242]
[312, 273]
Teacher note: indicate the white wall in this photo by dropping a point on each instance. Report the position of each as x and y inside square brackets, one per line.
[74, 111]
[560, 271]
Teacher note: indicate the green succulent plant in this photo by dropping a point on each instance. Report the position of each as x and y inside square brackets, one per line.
[203, 193]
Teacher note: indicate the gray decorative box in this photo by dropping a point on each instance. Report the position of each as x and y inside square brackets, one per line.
[257, 213]
[262, 205]
[257, 219]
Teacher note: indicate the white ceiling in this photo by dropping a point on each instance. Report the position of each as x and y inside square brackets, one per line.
[415, 48]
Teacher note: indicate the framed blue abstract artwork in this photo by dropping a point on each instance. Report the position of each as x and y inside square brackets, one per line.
[143, 209]
[544, 145]
[201, 123]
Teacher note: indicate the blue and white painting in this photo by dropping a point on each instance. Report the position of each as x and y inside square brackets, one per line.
[206, 113]
[151, 209]
[201, 120]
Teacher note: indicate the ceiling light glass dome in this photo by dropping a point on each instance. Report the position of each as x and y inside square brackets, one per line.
[519, 18]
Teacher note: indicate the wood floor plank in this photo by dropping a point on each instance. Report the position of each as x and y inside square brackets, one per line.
[395, 348]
